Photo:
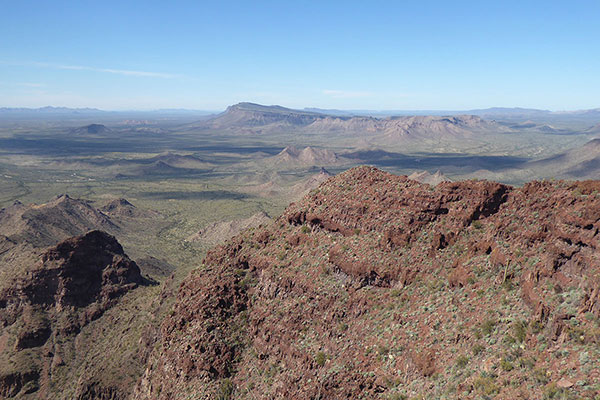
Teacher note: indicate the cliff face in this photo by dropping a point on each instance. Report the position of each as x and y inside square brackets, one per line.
[74, 283]
[375, 286]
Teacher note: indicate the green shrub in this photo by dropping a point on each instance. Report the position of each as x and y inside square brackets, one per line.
[488, 326]
[540, 376]
[226, 390]
[478, 349]
[462, 361]
[486, 385]
[519, 329]
[320, 358]
[552, 391]
[506, 365]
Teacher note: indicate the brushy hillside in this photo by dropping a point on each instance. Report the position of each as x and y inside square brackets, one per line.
[43, 311]
[377, 286]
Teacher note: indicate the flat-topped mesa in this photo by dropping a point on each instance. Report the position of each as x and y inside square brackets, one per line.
[255, 115]
[245, 118]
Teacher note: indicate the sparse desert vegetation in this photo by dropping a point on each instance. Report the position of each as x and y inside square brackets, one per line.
[355, 302]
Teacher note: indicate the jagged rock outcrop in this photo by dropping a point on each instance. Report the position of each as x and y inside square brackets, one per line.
[42, 312]
[378, 286]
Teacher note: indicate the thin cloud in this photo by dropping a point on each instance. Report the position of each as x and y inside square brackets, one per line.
[23, 84]
[32, 84]
[126, 72]
[346, 94]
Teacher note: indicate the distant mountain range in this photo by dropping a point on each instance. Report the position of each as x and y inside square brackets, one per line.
[383, 113]
[498, 112]
[76, 113]
[258, 119]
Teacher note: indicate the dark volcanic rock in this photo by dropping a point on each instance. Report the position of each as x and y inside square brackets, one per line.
[77, 272]
[74, 283]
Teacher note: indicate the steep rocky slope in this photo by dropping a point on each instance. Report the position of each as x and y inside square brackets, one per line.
[377, 286]
[71, 327]
[43, 311]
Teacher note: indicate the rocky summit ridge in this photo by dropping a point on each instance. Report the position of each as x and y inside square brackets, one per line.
[378, 286]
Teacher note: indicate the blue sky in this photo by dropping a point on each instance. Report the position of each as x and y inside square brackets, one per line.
[331, 54]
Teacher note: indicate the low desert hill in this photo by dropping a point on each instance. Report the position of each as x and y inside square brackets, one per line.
[410, 127]
[378, 286]
[181, 160]
[308, 156]
[92, 129]
[429, 178]
[45, 224]
[220, 232]
[275, 185]
[578, 163]
[595, 130]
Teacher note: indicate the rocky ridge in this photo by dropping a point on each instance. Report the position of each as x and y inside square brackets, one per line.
[72, 284]
[377, 286]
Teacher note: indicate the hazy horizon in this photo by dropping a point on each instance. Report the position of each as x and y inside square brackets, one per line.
[305, 108]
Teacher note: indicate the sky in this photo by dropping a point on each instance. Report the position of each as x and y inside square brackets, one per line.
[375, 55]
